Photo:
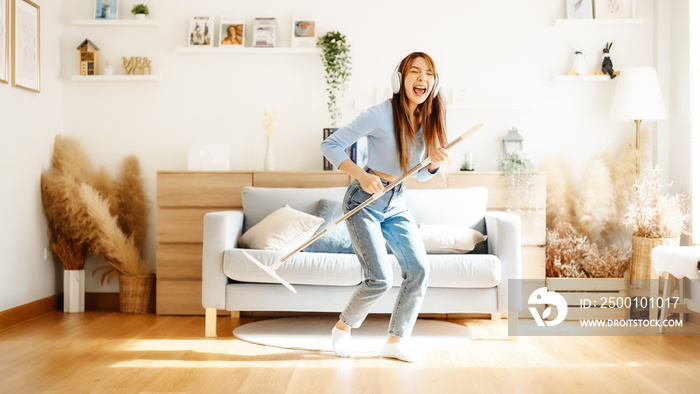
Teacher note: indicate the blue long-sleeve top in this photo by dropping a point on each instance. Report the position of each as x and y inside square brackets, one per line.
[377, 124]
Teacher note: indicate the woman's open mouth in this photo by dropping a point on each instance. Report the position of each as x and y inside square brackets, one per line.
[419, 90]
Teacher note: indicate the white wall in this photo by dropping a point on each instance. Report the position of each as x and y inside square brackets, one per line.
[503, 53]
[28, 123]
[678, 74]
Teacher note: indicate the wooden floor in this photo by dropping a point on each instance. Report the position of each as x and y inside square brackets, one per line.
[108, 351]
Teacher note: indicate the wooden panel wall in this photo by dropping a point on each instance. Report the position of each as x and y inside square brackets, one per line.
[182, 200]
[184, 197]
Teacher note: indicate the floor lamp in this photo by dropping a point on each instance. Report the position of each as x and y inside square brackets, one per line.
[638, 97]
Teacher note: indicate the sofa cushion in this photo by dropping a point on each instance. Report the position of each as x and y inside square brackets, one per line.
[460, 271]
[326, 269]
[258, 202]
[441, 239]
[284, 229]
[338, 239]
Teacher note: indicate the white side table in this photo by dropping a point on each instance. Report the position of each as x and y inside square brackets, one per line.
[679, 262]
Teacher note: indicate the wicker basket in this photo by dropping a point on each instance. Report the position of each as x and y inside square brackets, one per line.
[137, 294]
[641, 254]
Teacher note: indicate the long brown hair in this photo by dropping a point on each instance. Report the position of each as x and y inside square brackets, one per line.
[431, 114]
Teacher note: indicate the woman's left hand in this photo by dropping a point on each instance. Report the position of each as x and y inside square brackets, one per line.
[437, 157]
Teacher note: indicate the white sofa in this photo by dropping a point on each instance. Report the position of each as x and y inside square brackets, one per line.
[459, 283]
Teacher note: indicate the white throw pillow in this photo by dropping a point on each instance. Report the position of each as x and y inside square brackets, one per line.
[440, 239]
[284, 230]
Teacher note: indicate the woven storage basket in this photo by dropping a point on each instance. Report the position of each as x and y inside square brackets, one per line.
[641, 254]
[137, 294]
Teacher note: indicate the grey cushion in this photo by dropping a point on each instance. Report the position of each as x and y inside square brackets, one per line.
[336, 240]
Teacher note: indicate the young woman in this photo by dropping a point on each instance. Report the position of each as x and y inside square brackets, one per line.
[400, 132]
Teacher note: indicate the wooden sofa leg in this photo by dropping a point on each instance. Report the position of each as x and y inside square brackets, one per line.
[210, 323]
[496, 316]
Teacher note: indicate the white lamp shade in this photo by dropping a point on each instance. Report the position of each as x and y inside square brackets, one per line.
[638, 95]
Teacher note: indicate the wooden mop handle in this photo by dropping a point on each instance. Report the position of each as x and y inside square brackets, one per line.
[375, 196]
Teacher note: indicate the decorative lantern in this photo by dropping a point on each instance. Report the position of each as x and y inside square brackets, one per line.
[512, 142]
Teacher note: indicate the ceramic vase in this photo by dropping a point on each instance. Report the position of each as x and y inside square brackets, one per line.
[269, 164]
[74, 291]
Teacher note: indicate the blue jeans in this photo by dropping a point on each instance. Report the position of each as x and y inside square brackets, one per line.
[387, 219]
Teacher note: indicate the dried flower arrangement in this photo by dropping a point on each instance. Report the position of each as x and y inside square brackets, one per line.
[570, 254]
[653, 213]
[271, 119]
[88, 211]
[586, 236]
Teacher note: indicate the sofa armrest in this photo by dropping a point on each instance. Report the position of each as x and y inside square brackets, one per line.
[504, 241]
[221, 232]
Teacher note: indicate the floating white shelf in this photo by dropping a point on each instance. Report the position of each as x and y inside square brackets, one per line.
[116, 78]
[598, 22]
[249, 50]
[117, 22]
[578, 78]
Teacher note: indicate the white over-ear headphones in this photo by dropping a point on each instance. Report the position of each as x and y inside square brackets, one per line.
[396, 82]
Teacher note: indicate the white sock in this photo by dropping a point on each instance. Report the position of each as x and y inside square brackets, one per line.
[341, 342]
[399, 351]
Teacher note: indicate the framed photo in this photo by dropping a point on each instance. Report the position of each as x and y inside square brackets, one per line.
[232, 31]
[614, 9]
[25, 45]
[201, 31]
[4, 40]
[106, 9]
[265, 33]
[579, 9]
[303, 32]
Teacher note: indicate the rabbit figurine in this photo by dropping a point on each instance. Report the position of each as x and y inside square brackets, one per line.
[607, 67]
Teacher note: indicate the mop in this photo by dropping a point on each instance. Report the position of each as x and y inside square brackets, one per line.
[270, 270]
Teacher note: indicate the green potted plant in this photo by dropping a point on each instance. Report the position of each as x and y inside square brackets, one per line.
[520, 173]
[140, 11]
[337, 63]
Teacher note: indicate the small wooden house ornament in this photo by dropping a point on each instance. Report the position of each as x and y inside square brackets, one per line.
[88, 58]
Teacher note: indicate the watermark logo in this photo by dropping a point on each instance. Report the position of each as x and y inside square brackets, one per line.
[540, 297]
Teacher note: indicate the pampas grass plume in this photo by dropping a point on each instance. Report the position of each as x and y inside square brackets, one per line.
[69, 158]
[558, 193]
[133, 205]
[110, 242]
[595, 204]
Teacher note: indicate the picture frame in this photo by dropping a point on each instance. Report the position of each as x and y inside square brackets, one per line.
[26, 44]
[303, 32]
[265, 33]
[106, 10]
[615, 9]
[4, 41]
[579, 9]
[232, 31]
[201, 31]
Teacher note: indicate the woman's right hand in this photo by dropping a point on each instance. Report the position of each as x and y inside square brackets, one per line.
[371, 183]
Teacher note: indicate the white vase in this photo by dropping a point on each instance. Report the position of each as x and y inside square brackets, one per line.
[74, 290]
[269, 164]
[140, 17]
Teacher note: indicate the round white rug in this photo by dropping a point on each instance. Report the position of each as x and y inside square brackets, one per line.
[314, 333]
